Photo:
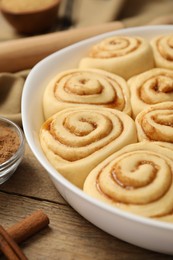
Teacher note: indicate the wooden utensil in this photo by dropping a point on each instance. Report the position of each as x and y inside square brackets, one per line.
[20, 54]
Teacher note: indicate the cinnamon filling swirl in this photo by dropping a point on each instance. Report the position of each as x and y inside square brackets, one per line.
[138, 179]
[86, 87]
[156, 123]
[75, 140]
[114, 47]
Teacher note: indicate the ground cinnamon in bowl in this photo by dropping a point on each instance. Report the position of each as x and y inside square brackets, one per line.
[11, 148]
[9, 142]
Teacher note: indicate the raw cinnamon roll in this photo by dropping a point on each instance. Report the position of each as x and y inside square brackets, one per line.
[163, 51]
[77, 87]
[138, 179]
[156, 123]
[122, 55]
[75, 140]
[149, 88]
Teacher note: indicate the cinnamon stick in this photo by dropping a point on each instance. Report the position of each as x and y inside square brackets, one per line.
[8, 246]
[28, 226]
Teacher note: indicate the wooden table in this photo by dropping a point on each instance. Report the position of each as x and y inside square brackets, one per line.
[69, 236]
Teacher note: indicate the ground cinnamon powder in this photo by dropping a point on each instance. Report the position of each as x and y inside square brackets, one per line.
[9, 142]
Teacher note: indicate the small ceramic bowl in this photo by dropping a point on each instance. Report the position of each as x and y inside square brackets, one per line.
[11, 148]
[32, 21]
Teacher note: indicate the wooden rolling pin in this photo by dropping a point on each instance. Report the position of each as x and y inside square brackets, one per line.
[24, 53]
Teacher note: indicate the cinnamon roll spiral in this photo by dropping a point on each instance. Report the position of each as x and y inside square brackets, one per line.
[75, 140]
[163, 51]
[149, 88]
[156, 123]
[122, 55]
[77, 87]
[138, 179]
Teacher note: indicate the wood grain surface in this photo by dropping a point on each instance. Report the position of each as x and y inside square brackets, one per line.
[69, 236]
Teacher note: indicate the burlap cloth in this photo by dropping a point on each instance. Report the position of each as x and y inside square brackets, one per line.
[84, 13]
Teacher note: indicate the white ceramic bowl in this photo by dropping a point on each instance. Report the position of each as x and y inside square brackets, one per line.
[140, 231]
